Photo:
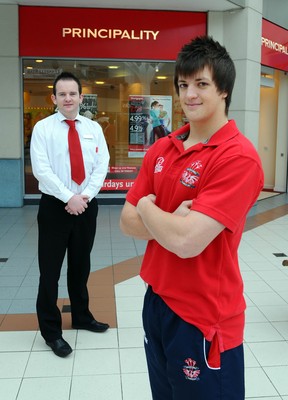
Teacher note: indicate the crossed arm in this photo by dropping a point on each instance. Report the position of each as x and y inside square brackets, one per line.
[184, 232]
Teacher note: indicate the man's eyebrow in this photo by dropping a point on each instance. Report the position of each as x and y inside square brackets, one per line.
[200, 78]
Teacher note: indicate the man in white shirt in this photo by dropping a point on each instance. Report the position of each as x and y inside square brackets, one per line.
[67, 211]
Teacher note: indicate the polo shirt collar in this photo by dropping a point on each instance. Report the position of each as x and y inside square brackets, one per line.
[227, 132]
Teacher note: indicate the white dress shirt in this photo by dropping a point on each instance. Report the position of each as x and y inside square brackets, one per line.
[51, 162]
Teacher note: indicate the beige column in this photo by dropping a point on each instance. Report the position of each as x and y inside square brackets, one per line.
[11, 162]
[240, 32]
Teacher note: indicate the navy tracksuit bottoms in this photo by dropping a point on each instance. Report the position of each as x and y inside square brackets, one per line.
[177, 354]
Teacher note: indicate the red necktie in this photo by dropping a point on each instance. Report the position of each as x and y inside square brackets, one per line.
[76, 157]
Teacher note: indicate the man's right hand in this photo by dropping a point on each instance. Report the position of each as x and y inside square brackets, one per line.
[77, 204]
[184, 208]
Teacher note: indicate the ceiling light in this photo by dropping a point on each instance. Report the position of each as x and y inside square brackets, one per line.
[39, 61]
[161, 77]
[99, 82]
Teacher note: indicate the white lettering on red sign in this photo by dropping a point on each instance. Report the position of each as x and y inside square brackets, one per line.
[280, 48]
[83, 33]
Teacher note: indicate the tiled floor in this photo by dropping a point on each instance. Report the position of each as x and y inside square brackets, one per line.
[112, 365]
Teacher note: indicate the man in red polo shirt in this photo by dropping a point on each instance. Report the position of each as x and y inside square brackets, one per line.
[190, 202]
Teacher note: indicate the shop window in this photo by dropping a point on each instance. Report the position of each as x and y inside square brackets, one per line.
[118, 95]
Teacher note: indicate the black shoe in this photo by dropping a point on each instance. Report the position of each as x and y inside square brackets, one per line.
[93, 326]
[60, 347]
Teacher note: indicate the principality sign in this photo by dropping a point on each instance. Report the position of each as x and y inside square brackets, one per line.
[106, 33]
[274, 49]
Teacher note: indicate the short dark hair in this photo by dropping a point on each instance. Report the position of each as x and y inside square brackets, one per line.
[154, 103]
[67, 76]
[204, 51]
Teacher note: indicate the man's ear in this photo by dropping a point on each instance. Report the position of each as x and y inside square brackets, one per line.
[81, 98]
[53, 98]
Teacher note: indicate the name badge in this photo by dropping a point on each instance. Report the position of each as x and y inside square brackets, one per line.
[88, 136]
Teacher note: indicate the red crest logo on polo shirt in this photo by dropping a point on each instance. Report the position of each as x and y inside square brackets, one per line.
[159, 165]
[191, 175]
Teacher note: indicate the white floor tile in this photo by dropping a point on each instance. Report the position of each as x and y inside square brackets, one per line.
[254, 256]
[133, 360]
[275, 314]
[266, 398]
[260, 266]
[278, 376]
[282, 327]
[129, 319]
[96, 387]
[256, 286]
[253, 314]
[47, 364]
[129, 303]
[267, 299]
[243, 266]
[279, 285]
[45, 388]
[249, 302]
[130, 290]
[249, 275]
[261, 332]
[12, 365]
[95, 362]
[271, 353]
[250, 359]
[17, 341]
[136, 386]
[131, 337]
[258, 384]
[91, 340]
[9, 388]
[273, 274]
[283, 294]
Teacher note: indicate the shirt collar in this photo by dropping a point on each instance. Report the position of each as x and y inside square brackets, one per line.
[62, 118]
[227, 132]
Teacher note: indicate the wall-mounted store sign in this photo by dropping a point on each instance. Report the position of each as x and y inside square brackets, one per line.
[102, 33]
[274, 49]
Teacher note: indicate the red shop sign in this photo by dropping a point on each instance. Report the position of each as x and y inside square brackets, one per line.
[274, 49]
[106, 33]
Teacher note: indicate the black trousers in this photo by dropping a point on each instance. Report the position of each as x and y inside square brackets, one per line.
[60, 232]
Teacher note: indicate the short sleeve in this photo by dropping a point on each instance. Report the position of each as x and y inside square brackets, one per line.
[229, 190]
